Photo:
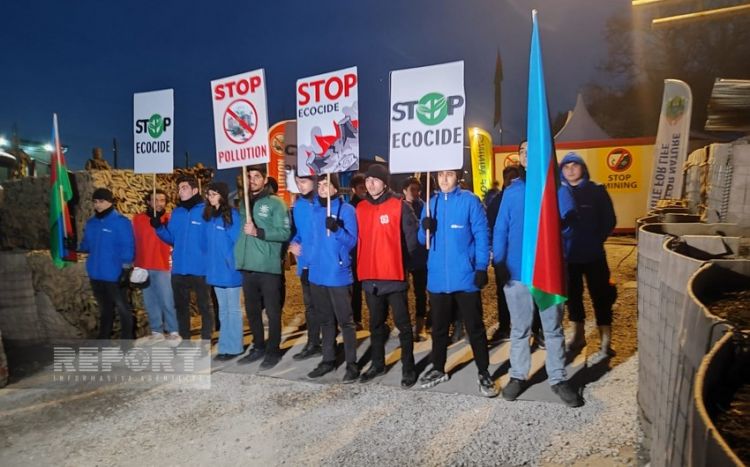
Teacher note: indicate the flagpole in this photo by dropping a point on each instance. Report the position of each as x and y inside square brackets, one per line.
[427, 212]
[328, 204]
[244, 193]
[57, 171]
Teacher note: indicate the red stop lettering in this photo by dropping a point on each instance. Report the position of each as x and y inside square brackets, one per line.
[332, 88]
[236, 88]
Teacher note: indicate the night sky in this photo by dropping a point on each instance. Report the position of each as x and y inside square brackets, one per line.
[85, 59]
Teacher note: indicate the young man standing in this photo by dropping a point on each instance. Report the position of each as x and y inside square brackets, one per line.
[457, 264]
[258, 256]
[153, 255]
[584, 251]
[507, 245]
[387, 229]
[334, 236]
[299, 245]
[184, 231]
[108, 239]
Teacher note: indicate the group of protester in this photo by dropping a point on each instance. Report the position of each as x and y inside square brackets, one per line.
[370, 245]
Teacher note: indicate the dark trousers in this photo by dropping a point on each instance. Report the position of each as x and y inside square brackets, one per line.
[182, 284]
[313, 326]
[503, 314]
[378, 306]
[469, 308]
[419, 280]
[263, 289]
[333, 304]
[109, 295]
[603, 294]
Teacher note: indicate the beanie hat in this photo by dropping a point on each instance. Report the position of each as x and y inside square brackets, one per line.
[103, 194]
[221, 188]
[378, 171]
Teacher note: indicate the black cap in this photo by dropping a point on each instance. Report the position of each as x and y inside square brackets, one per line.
[378, 171]
[103, 194]
[221, 188]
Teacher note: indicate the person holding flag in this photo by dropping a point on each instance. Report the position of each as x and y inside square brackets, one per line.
[527, 242]
[108, 239]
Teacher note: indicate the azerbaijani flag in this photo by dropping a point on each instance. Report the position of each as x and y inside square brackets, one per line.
[60, 227]
[542, 266]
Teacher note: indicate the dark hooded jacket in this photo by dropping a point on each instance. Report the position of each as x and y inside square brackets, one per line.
[594, 217]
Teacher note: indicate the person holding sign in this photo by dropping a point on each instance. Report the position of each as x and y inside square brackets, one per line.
[299, 245]
[457, 263]
[334, 236]
[258, 255]
[222, 228]
[184, 231]
[387, 228]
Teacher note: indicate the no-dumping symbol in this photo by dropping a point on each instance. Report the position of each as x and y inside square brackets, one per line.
[240, 121]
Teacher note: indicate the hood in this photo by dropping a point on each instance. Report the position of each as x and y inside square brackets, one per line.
[574, 157]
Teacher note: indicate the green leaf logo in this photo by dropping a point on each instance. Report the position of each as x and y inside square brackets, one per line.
[155, 126]
[432, 108]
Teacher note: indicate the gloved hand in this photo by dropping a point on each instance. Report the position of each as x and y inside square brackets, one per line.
[333, 224]
[124, 279]
[156, 221]
[480, 279]
[429, 223]
[502, 273]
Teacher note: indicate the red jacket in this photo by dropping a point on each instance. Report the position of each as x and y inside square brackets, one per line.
[150, 251]
[379, 249]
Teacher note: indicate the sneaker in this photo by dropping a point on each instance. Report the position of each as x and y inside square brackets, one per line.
[254, 355]
[433, 378]
[272, 359]
[308, 351]
[372, 373]
[486, 385]
[567, 394]
[322, 369]
[173, 339]
[152, 339]
[408, 379]
[600, 356]
[223, 357]
[513, 389]
[352, 373]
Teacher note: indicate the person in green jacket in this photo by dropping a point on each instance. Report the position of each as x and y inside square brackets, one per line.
[257, 254]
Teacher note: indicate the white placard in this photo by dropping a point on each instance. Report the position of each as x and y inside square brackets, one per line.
[328, 123]
[153, 131]
[240, 119]
[427, 118]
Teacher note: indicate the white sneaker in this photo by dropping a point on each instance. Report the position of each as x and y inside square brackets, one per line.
[154, 338]
[173, 339]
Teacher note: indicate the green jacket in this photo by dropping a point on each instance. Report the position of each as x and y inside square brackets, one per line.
[263, 253]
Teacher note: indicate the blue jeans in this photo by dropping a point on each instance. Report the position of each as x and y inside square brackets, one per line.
[230, 316]
[159, 302]
[521, 307]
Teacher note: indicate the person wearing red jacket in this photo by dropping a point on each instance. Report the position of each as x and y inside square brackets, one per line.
[153, 255]
[387, 238]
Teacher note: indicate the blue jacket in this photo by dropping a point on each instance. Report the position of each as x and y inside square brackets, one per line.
[110, 243]
[219, 240]
[185, 233]
[330, 263]
[460, 246]
[594, 219]
[302, 211]
[507, 236]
